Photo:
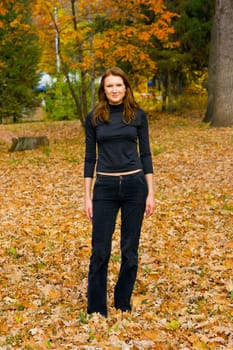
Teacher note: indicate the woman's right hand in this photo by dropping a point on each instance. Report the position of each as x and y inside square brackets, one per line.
[88, 208]
[88, 197]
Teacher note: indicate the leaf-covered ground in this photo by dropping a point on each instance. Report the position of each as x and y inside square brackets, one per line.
[183, 298]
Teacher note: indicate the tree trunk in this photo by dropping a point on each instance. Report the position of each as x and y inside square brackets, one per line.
[92, 75]
[83, 96]
[169, 92]
[220, 87]
[83, 105]
[211, 74]
[165, 92]
[28, 143]
[61, 61]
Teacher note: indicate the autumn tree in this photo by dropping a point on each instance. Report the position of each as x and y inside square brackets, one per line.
[187, 61]
[94, 35]
[130, 30]
[220, 87]
[66, 37]
[19, 57]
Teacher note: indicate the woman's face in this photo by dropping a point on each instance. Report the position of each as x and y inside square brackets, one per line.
[114, 89]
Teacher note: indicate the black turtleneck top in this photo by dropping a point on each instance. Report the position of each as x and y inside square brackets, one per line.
[120, 147]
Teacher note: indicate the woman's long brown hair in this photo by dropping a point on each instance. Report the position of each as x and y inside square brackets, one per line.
[101, 110]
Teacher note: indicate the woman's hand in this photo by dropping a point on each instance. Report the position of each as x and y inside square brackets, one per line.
[150, 201]
[150, 205]
[88, 208]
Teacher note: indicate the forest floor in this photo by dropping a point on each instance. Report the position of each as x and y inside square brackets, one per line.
[183, 298]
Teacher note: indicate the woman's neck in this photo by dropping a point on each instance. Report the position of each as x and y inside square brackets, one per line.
[116, 108]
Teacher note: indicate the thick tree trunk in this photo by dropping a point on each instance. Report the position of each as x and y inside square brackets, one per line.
[220, 89]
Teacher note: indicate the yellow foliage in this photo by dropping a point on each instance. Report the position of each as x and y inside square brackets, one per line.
[119, 42]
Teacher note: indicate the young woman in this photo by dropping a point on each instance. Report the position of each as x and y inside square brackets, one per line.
[116, 130]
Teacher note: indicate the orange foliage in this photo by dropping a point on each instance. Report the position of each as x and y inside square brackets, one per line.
[16, 22]
[125, 34]
[3, 10]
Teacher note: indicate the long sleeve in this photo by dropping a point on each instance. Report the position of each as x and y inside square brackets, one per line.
[144, 144]
[90, 150]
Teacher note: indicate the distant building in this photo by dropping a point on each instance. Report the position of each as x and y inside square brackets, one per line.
[45, 82]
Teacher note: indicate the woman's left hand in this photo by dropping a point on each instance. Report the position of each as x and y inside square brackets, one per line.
[150, 205]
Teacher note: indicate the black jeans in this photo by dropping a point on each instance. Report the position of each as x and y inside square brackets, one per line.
[113, 193]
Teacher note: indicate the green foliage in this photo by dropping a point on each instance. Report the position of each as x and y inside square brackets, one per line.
[19, 56]
[173, 325]
[158, 149]
[183, 65]
[193, 29]
[82, 317]
[13, 251]
[59, 104]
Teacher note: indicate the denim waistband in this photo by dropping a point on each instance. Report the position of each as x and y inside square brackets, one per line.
[117, 177]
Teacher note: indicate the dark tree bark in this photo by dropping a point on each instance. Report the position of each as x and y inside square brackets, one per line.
[220, 86]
